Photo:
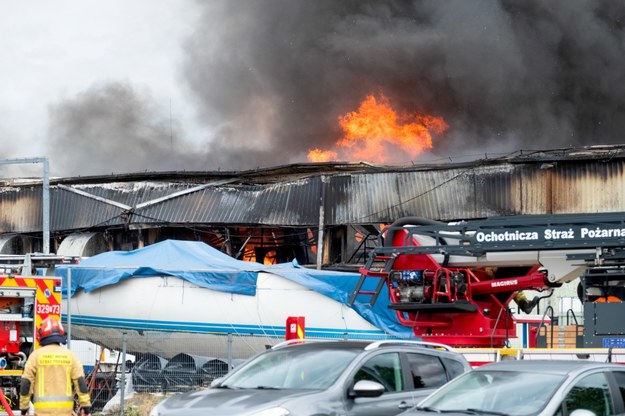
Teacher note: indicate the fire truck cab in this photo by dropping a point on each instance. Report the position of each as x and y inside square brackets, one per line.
[26, 299]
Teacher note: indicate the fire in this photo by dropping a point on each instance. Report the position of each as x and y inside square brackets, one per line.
[376, 133]
[318, 155]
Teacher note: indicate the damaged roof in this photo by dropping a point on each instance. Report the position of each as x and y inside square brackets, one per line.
[298, 195]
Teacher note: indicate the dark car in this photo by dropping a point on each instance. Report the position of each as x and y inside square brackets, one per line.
[325, 378]
[531, 387]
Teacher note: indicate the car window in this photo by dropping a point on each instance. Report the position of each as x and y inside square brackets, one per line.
[454, 367]
[292, 368]
[427, 371]
[384, 369]
[515, 393]
[620, 380]
[590, 393]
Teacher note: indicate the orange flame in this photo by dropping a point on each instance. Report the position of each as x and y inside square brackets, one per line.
[377, 133]
[318, 155]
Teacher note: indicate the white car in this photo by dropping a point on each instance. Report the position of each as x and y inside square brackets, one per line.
[531, 387]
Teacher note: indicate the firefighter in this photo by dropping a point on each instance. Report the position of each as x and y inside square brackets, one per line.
[52, 375]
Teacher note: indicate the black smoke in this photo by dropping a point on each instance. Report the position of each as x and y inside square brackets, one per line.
[115, 128]
[269, 79]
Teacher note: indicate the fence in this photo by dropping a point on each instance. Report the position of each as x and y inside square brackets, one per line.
[161, 364]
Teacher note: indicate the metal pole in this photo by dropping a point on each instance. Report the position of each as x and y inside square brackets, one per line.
[46, 207]
[69, 302]
[123, 378]
[321, 221]
[229, 351]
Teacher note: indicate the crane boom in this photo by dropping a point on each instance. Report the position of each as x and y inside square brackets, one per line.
[454, 281]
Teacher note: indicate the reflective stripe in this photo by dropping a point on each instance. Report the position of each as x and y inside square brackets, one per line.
[68, 381]
[54, 405]
[54, 399]
[40, 382]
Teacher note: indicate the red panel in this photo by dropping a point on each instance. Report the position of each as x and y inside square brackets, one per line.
[9, 337]
[295, 327]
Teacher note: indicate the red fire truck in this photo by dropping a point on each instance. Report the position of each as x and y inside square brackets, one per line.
[454, 283]
[25, 300]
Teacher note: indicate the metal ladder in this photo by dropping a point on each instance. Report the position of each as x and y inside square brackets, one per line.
[367, 271]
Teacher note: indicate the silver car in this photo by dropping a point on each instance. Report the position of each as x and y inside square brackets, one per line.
[325, 378]
[531, 387]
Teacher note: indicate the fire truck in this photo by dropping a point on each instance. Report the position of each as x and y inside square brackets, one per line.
[26, 299]
[454, 283]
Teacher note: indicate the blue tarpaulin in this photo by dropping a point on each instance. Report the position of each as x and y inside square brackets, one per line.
[205, 266]
[193, 261]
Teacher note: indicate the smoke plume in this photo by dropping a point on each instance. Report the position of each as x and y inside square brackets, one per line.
[270, 79]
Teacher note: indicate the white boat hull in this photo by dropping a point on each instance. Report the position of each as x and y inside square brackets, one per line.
[165, 315]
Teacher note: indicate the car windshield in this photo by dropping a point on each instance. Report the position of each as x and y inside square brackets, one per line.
[292, 368]
[513, 393]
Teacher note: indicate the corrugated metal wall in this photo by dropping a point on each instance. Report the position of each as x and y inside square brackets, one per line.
[584, 187]
[361, 197]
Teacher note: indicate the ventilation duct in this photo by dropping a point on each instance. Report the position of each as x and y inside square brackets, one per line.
[14, 244]
[83, 245]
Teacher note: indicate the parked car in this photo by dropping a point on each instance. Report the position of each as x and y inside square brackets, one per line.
[531, 387]
[325, 378]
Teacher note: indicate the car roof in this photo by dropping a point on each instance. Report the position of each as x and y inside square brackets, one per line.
[548, 366]
[314, 344]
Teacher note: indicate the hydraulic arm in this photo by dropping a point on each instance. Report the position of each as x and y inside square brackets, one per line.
[454, 282]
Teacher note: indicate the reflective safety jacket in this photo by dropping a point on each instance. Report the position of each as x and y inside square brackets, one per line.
[55, 374]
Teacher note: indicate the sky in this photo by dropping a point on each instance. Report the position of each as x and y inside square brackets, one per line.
[117, 87]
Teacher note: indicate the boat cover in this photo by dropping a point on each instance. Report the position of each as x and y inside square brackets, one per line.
[205, 266]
